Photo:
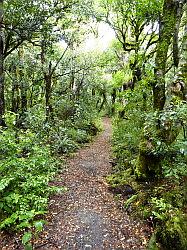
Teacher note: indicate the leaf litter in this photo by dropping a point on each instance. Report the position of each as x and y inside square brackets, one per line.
[88, 216]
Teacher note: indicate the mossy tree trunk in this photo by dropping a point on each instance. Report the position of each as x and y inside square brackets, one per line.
[167, 29]
[183, 61]
[149, 162]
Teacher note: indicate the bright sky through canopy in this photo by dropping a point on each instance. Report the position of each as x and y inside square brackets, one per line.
[102, 42]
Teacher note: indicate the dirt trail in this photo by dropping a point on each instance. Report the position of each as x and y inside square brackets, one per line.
[87, 216]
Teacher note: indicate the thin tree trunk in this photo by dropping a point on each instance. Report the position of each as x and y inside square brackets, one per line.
[15, 97]
[176, 35]
[47, 79]
[23, 97]
[2, 97]
[114, 93]
[48, 84]
[183, 59]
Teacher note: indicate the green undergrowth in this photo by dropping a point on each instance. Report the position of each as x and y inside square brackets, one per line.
[29, 160]
[26, 167]
[64, 135]
[161, 201]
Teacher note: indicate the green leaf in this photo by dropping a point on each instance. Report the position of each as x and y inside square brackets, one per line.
[24, 224]
[5, 182]
[26, 238]
[39, 225]
[132, 199]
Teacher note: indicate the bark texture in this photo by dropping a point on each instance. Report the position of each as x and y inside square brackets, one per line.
[149, 161]
[2, 98]
[172, 12]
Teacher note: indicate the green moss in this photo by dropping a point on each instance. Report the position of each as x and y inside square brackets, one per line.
[153, 245]
[164, 201]
[148, 164]
[173, 233]
[120, 178]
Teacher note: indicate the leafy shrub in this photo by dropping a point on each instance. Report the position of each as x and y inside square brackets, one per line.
[125, 143]
[26, 169]
[163, 201]
[72, 124]
[171, 222]
[128, 130]
[60, 140]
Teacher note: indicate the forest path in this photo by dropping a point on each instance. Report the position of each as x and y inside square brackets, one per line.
[87, 216]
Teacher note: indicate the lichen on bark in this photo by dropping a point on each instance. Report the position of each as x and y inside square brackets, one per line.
[148, 164]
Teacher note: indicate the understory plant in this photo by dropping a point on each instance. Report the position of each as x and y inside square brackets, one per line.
[26, 168]
[28, 162]
[161, 200]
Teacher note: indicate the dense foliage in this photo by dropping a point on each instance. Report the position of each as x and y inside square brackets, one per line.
[53, 92]
[149, 128]
[46, 90]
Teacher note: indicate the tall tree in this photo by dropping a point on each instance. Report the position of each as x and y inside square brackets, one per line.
[149, 163]
[134, 23]
[22, 22]
[172, 13]
[2, 101]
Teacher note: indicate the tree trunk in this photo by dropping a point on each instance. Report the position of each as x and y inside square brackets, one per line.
[167, 28]
[21, 121]
[149, 163]
[22, 100]
[23, 97]
[48, 84]
[176, 35]
[104, 101]
[183, 59]
[15, 97]
[114, 94]
[2, 97]
[47, 73]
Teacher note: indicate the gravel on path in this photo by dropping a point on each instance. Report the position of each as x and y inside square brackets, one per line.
[87, 216]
